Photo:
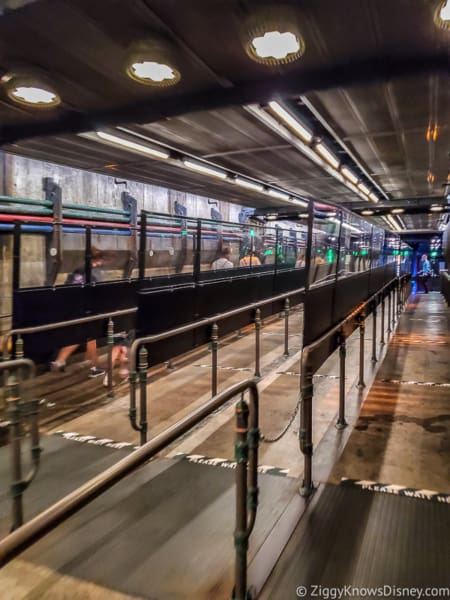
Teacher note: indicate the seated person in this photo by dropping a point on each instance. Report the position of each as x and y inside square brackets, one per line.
[223, 262]
[249, 260]
[300, 262]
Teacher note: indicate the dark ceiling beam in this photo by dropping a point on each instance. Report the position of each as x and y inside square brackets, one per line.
[247, 92]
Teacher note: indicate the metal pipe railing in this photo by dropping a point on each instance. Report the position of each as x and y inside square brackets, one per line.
[246, 481]
[213, 321]
[306, 376]
[16, 412]
[60, 325]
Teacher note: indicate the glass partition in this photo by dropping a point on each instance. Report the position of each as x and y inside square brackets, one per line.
[33, 255]
[170, 245]
[377, 247]
[73, 252]
[355, 245]
[112, 255]
[324, 243]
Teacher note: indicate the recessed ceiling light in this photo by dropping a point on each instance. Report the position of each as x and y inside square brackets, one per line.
[28, 91]
[271, 34]
[276, 45]
[436, 208]
[442, 14]
[397, 211]
[151, 62]
[153, 73]
[367, 212]
[202, 168]
[133, 146]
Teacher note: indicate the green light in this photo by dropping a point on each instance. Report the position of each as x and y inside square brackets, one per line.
[268, 252]
[184, 232]
[364, 252]
[252, 233]
[433, 254]
[319, 251]
[330, 255]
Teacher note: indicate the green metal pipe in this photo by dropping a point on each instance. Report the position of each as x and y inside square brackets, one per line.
[80, 214]
[25, 201]
[26, 210]
[114, 211]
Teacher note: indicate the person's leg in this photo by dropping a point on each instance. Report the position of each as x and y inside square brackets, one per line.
[425, 284]
[123, 359]
[60, 362]
[91, 354]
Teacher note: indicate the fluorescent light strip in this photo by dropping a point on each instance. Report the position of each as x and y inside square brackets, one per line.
[292, 121]
[351, 228]
[348, 174]
[343, 145]
[397, 211]
[299, 202]
[365, 190]
[374, 198]
[250, 185]
[133, 146]
[278, 194]
[327, 155]
[205, 169]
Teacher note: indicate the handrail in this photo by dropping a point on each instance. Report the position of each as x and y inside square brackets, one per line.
[306, 374]
[61, 324]
[16, 411]
[156, 337]
[42, 524]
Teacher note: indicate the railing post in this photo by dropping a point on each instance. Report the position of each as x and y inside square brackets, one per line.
[214, 344]
[110, 343]
[374, 333]
[286, 327]
[14, 414]
[393, 307]
[306, 444]
[399, 299]
[257, 342]
[143, 366]
[341, 422]
[240, 532]
[382, 321]
[389, 328]
[362, 327]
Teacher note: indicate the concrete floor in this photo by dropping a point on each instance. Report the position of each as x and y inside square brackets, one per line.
[389, 438]
[402, 436]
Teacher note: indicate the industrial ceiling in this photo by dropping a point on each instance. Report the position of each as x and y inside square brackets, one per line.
[373, 84]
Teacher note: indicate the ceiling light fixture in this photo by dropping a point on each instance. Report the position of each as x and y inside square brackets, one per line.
[365, 190]
[150, 63]
[271, 35]
[442, 14]
[327, 155]
[348, 174]
[133, 146]
[367, 212]
[250, 185]
[291, 121]
[436, 208]
[278, 194]
[397, 211]
[373, 198]
[299, 202]
[205, 169]
[30, 91]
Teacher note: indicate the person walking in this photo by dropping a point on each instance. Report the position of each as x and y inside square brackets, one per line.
[425, 272]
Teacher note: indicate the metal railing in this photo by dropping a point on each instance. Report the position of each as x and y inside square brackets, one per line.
[59, 325]
[17, 411]
[246, 453]
[397, 293]
[140, 375]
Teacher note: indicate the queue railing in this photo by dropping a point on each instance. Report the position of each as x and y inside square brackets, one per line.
[397, 292]
[139, 376]
[246, 454]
